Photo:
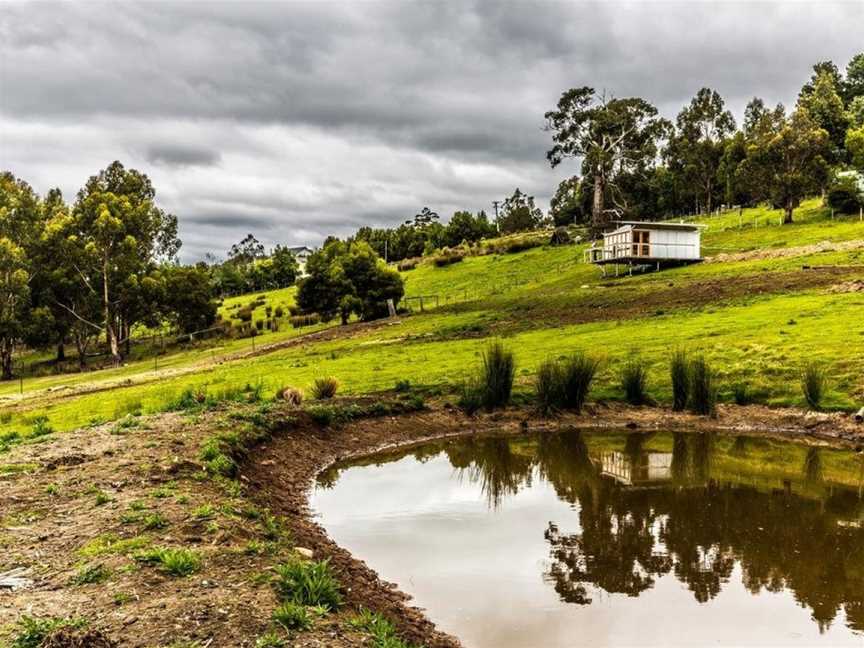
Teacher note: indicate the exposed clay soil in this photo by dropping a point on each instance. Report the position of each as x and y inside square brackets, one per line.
[52, 511]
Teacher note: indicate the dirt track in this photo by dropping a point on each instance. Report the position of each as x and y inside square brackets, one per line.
[49, 514]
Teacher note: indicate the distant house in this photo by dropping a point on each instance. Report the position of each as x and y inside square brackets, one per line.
[857, 175]
[301, 253]
[643, 243]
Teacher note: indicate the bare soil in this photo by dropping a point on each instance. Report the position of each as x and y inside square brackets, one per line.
[58, 496]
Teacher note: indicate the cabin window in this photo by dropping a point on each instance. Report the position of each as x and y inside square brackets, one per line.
[641, 243]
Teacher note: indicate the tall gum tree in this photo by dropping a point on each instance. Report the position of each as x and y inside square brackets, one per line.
[116, 233]
[787, 162]
[610, 136]
[696, 149]
[19, 226]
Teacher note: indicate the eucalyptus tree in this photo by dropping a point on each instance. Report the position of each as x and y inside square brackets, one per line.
[610, 136]
[518, 213]
[114, 237]
[787, 162]
[825, 105]
[696, 149]
[20, 217]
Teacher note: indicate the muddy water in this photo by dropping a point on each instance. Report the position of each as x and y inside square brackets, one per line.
[594, 539]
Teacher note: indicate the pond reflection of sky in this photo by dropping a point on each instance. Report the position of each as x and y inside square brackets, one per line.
[552, 553]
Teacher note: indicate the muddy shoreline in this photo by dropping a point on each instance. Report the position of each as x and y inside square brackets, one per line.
[284, 470]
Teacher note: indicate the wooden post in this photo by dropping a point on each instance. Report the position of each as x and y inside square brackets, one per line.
[861, 213]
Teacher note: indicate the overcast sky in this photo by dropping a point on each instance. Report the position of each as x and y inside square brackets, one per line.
[293, 121]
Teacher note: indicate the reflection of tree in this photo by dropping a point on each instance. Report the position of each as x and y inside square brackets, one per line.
[813, 466]
[499, 471]
[692, 528]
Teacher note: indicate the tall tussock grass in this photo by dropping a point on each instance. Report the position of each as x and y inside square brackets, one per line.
[634, 380]
[565, 384]
[324, 388]
[813, 384]
[679, 369]
[703, 391]
[494, 385]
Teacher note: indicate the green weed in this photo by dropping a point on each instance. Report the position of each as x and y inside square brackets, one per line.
[308, 583]
[293, 616]
[177, 562]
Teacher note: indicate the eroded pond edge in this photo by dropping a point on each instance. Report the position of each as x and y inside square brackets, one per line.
[286, 468]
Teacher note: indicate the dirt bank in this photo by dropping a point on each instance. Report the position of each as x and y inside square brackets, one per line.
[92, 498]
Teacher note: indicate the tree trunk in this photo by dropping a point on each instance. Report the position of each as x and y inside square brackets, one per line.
[787, 218]
[81, 347]
[6, 359]
[598, 217]
[61, 351]
[110, 330]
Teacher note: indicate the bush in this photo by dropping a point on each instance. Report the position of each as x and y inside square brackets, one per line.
[299, 321]
[579, 372]
[324, 388]
[407, 264]
[549, 386]
[245, 314]
[813, 385]
[447, 257]
[279, 312]
[634, 378]
[680, 373]
[293, 616]
[497, 374]
[308, 583]
[703, 392]
[41, 427]
[259, 325]
[470, 396]
[741, 394]
[291, 395]
[844, 196]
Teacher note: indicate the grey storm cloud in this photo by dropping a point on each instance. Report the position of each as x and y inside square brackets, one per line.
[297, 120]
[181, 155]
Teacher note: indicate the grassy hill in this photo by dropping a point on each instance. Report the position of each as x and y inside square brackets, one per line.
[768, 299]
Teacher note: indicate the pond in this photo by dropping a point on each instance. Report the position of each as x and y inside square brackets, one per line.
[580, 538]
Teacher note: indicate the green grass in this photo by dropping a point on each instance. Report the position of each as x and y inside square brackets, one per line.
[534, 300]
[176, 562]
[308, 583]
[30, 632]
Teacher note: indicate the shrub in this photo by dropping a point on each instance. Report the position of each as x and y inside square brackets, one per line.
[407, 264]
[293, 616]
[741, 393]
[41, 427]
[497, 374]
[447, 257]
[579, 372]
[470, 396]
[177, 562]
[634, 377]
[259, 325]
[291, 395]
[32, 632]
[324, 388]
[703, 392]
[279, 312]
[402, 386]
[245, 314]
[549, 386]
[299, 321]
[813, 384]
[308, 583]
[679, 370]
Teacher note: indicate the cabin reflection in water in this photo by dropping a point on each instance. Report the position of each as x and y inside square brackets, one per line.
[646, 469]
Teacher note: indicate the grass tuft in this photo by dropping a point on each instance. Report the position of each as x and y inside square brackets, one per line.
[293, 616]
[703, 391]
[813, 382]
[324, 388]
[634, 379]
[308, 583]
[32, 632]
[177, 562]
[679, 370]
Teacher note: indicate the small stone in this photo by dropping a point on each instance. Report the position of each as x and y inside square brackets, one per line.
[306, 553]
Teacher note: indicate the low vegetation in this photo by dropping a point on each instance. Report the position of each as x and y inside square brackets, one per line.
[813, 381]
[634, 381]
[703, 390]
[308, 583]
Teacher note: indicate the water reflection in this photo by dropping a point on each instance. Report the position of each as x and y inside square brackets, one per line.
[683, 505]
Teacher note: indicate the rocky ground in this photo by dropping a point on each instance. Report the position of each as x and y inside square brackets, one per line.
[77, 508]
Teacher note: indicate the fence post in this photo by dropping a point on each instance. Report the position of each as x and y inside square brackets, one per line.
[21, 385]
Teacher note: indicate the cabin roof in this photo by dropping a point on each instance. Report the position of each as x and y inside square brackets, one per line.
[666, 225]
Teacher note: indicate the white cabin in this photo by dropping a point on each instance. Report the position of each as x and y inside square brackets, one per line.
[302, 254]
[644, 243]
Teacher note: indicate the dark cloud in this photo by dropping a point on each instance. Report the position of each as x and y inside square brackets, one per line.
[302, 119]
[181, 155]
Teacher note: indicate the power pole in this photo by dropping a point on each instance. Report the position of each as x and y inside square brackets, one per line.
[495, 204]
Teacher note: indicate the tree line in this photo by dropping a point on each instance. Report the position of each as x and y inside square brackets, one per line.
[99, 267]
[637, 164]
